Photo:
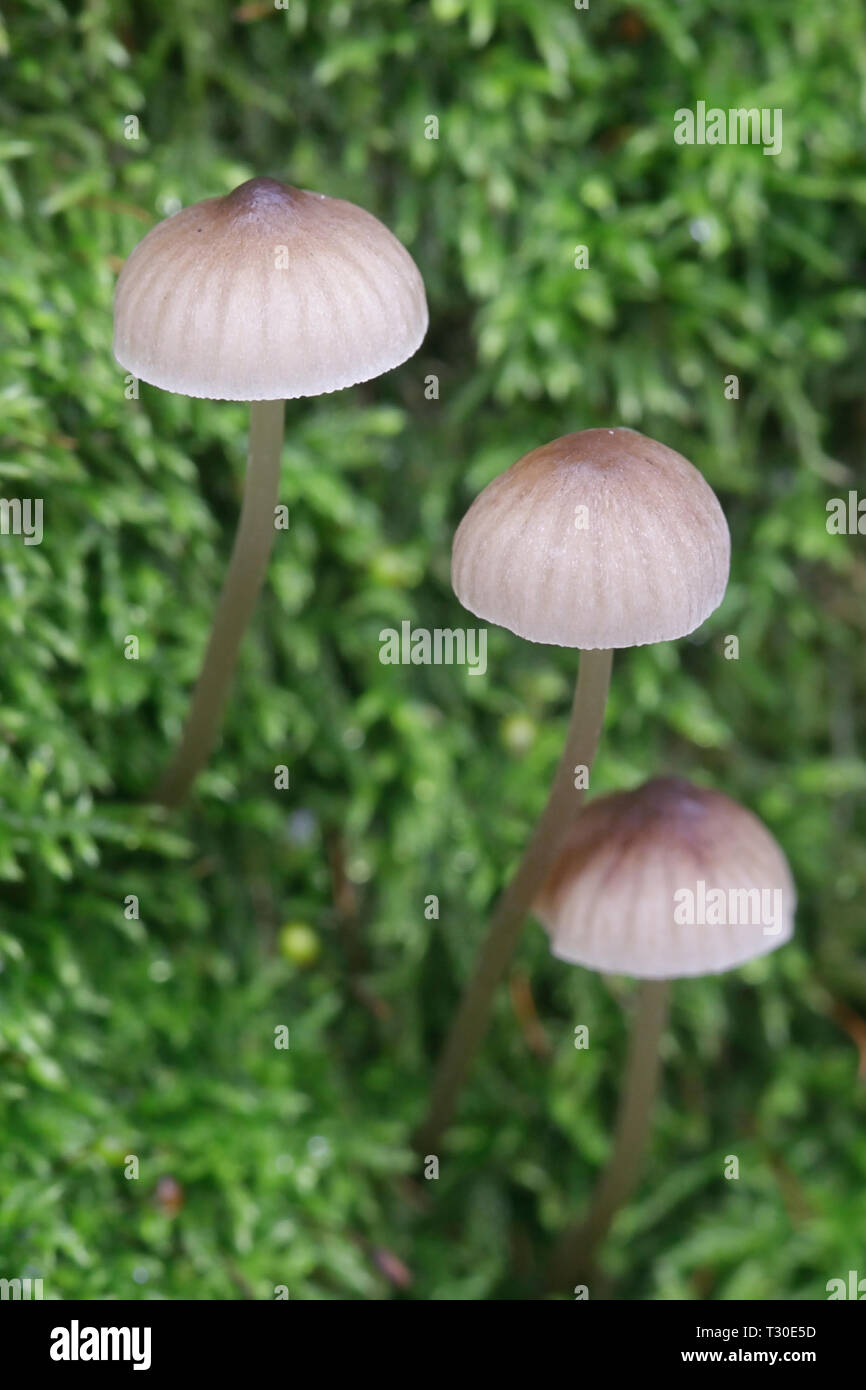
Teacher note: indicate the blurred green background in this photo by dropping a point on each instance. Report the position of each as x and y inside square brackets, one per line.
[155, 1037]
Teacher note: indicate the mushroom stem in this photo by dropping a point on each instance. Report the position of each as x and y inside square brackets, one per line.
[573, 1257]
[246, 573]
[470, 1021]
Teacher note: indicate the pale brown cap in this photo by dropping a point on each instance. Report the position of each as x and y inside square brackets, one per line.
[665, 881]
[599, 539]
[267, 294]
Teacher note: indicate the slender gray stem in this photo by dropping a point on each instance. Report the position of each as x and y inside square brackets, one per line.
[573, 1257]
[470, 1021]
[243, 583]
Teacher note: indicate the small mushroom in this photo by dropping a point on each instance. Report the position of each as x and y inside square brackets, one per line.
[264, 295]
[597, 540]
[600, 539]
[666, 881]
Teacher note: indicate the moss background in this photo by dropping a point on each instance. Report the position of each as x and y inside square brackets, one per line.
[154, 1037]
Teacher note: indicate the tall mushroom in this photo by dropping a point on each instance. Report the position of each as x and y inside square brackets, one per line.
[666, 881]
[264, 295]
[600, 539]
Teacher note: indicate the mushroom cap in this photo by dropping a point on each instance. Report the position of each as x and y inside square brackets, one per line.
[266, 294]
[646, 560]
[624, 894]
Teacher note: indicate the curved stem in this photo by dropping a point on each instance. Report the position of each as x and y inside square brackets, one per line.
[574, 1255]
[243, 582]
[470, 1022]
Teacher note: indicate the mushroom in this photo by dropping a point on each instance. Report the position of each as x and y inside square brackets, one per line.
[597, 540]
[666, 881]
[264, 295]
[600, 539]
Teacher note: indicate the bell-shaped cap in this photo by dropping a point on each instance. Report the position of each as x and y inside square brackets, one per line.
[266, 294]
[665, 881]
[600, 539]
